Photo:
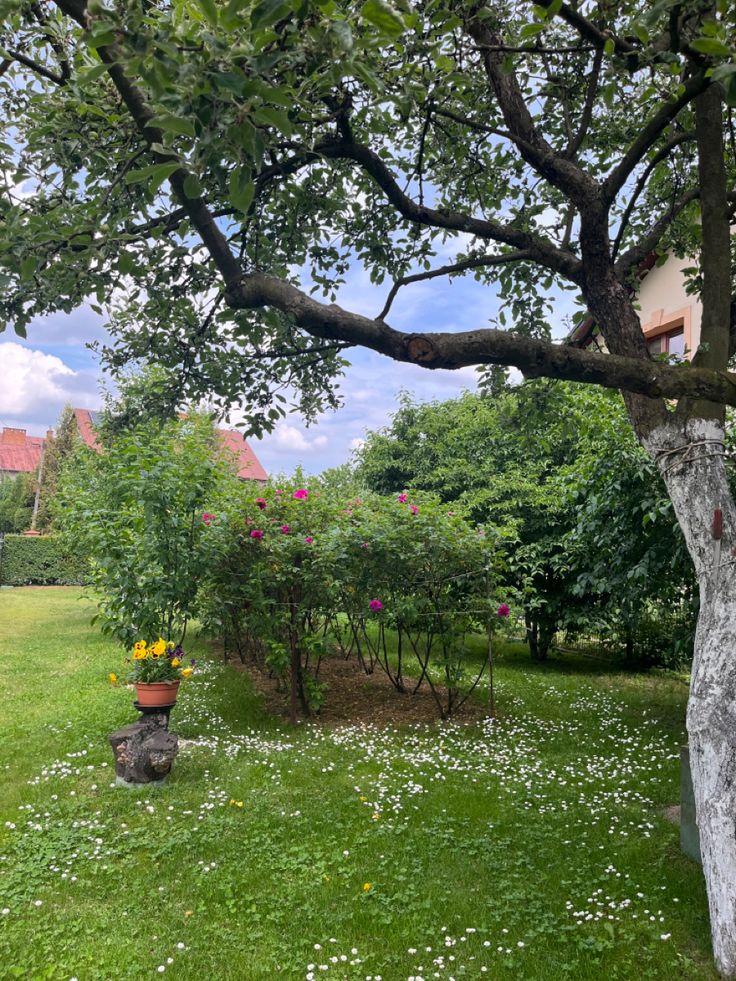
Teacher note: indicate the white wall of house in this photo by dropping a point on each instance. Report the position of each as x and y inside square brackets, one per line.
[664, 304]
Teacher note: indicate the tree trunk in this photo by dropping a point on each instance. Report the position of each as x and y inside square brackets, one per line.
[690, 458]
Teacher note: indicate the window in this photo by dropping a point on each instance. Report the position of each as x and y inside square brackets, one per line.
[671, 343]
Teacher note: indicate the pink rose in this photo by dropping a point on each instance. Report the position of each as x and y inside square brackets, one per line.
[256, 533]
[414, 509]
[364, 544]
[300, 495]
[208, 518]
[285, 529]
[402, 498]
[309, 539]
[503, 610]
[375, 605]
[261, 502]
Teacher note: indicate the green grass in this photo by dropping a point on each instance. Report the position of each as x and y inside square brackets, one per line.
[472, 838]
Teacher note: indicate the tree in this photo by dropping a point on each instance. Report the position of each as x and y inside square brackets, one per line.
[583, 515]
[139, 510]
[57, 452]
[183, 152]
[16, 502]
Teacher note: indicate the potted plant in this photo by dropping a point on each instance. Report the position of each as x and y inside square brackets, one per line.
[157, 671]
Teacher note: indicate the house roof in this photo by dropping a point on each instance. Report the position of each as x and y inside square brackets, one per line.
[248, 466]
[20, 453]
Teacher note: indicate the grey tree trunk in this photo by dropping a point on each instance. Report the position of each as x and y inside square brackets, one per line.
[690, 458]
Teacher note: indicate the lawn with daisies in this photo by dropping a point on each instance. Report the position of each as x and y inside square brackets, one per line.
[534, 846]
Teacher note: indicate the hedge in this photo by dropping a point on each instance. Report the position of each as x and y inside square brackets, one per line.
[27, 560]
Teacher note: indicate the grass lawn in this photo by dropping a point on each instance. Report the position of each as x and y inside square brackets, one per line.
[534, 847]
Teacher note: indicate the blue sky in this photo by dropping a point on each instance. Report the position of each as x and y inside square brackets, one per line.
[52, 367]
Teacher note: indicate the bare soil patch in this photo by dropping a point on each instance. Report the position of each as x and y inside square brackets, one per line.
[353, 697]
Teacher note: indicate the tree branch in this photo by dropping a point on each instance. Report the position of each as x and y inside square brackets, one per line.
[663, 152]
[446, 350]
[477, 263]
[649, 135]
[57, 79]
[538, 248]
[536, 151]
[637, 253]
[587, 115]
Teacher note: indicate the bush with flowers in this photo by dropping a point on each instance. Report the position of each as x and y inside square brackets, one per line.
[162, 661]
[301, 573]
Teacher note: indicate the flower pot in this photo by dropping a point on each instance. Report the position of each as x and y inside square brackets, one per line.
[157, 692]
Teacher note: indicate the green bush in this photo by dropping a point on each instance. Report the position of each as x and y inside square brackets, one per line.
[39, 561]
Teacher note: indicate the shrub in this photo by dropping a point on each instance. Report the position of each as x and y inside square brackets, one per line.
[40, 561]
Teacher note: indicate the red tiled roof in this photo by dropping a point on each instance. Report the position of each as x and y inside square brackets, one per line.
[86, 427]
[20, 453]
[247, 463]
[248, 466]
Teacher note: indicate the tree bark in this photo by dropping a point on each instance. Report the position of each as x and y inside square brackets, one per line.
[690, 458]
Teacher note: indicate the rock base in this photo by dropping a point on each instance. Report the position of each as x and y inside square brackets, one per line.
[144, 751]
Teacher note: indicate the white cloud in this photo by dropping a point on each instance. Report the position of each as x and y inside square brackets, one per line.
[290, 439]
[29, 378]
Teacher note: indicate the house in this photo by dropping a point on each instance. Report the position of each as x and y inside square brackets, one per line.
[20, 453]
[670, 317]
[246, 462]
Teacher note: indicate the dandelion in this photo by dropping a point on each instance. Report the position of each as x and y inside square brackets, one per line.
[112, 678]
[367, 887]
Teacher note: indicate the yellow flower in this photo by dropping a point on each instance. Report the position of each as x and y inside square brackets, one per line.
[112, 678]
[187, 672]
[175, 662]
[159, 647]
[367, 887]
[140, 645]
[236, 803]
[140, 655]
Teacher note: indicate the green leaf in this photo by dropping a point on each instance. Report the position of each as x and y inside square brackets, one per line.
[383, 16]
[173, 124]
[711, 46]
[268, 13]
[242, 189]
[155, 175]
[274, 117]
[209, 9]
[20, 330]
[192, 187]
[126, 263]
[609, 47]
[28, 267]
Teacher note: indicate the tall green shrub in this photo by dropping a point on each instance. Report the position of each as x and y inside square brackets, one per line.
[137, 510]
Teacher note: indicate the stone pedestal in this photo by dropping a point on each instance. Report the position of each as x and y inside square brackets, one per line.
[145, 750]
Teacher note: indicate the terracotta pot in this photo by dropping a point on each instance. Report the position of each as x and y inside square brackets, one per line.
[157, 692]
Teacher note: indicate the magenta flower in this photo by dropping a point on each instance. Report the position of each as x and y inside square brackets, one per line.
[256, 533]
[364, 544]
[279, 492]
[261, 502]
[375, 605]
[285, 529]
[414, 509]
[309, 539]
[208, 518]
[402, 498]
[503, 610]
[300, 495]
